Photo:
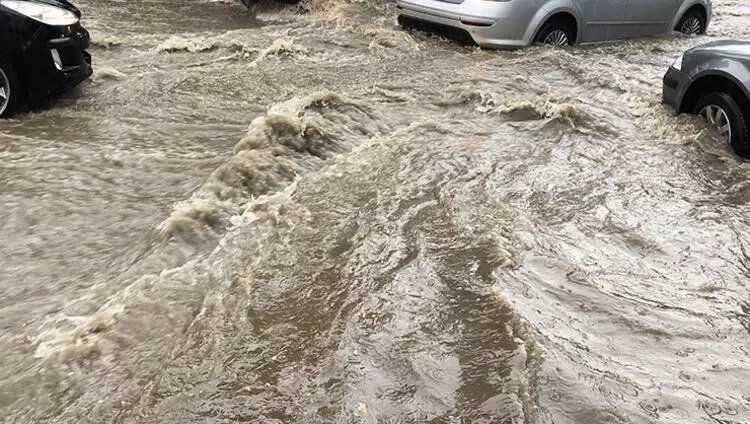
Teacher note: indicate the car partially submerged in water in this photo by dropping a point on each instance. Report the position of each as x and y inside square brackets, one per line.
[517, 23]
[42, 51]
[713, 81]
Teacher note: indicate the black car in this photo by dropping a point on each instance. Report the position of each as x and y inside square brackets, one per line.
[42, 51]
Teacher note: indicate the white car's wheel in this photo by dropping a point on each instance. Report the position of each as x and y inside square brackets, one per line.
[555, 33]
[557, 37]
[693, 23]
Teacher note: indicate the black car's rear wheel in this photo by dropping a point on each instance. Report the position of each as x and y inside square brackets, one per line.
[693, 23]
[725, 115]
[9, 89]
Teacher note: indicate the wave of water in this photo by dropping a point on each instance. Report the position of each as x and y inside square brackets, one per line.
[408, 231]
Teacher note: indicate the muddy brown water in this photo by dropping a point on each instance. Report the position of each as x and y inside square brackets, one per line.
[310, 216]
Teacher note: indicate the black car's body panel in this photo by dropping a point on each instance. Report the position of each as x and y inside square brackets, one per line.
[63, 4]
[29, 45]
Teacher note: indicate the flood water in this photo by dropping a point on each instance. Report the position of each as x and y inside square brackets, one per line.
[308, 215]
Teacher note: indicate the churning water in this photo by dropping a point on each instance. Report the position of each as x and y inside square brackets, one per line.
[308, 215]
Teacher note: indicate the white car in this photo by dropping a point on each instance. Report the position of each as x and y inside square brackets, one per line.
[516, 23]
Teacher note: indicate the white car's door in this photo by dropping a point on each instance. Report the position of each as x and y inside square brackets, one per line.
[602, 19]
[648, 17]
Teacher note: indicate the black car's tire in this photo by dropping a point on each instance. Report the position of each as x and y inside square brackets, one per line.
[251, 3]
[716, 107]
[554, 33]
[10, 89]
[692, 23]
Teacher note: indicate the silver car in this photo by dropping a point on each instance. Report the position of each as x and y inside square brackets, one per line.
[515, 23]
[713, 81]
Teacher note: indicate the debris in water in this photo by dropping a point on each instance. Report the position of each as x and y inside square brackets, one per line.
[362, 408]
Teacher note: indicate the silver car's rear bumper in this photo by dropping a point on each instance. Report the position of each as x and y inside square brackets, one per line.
[489, 24]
